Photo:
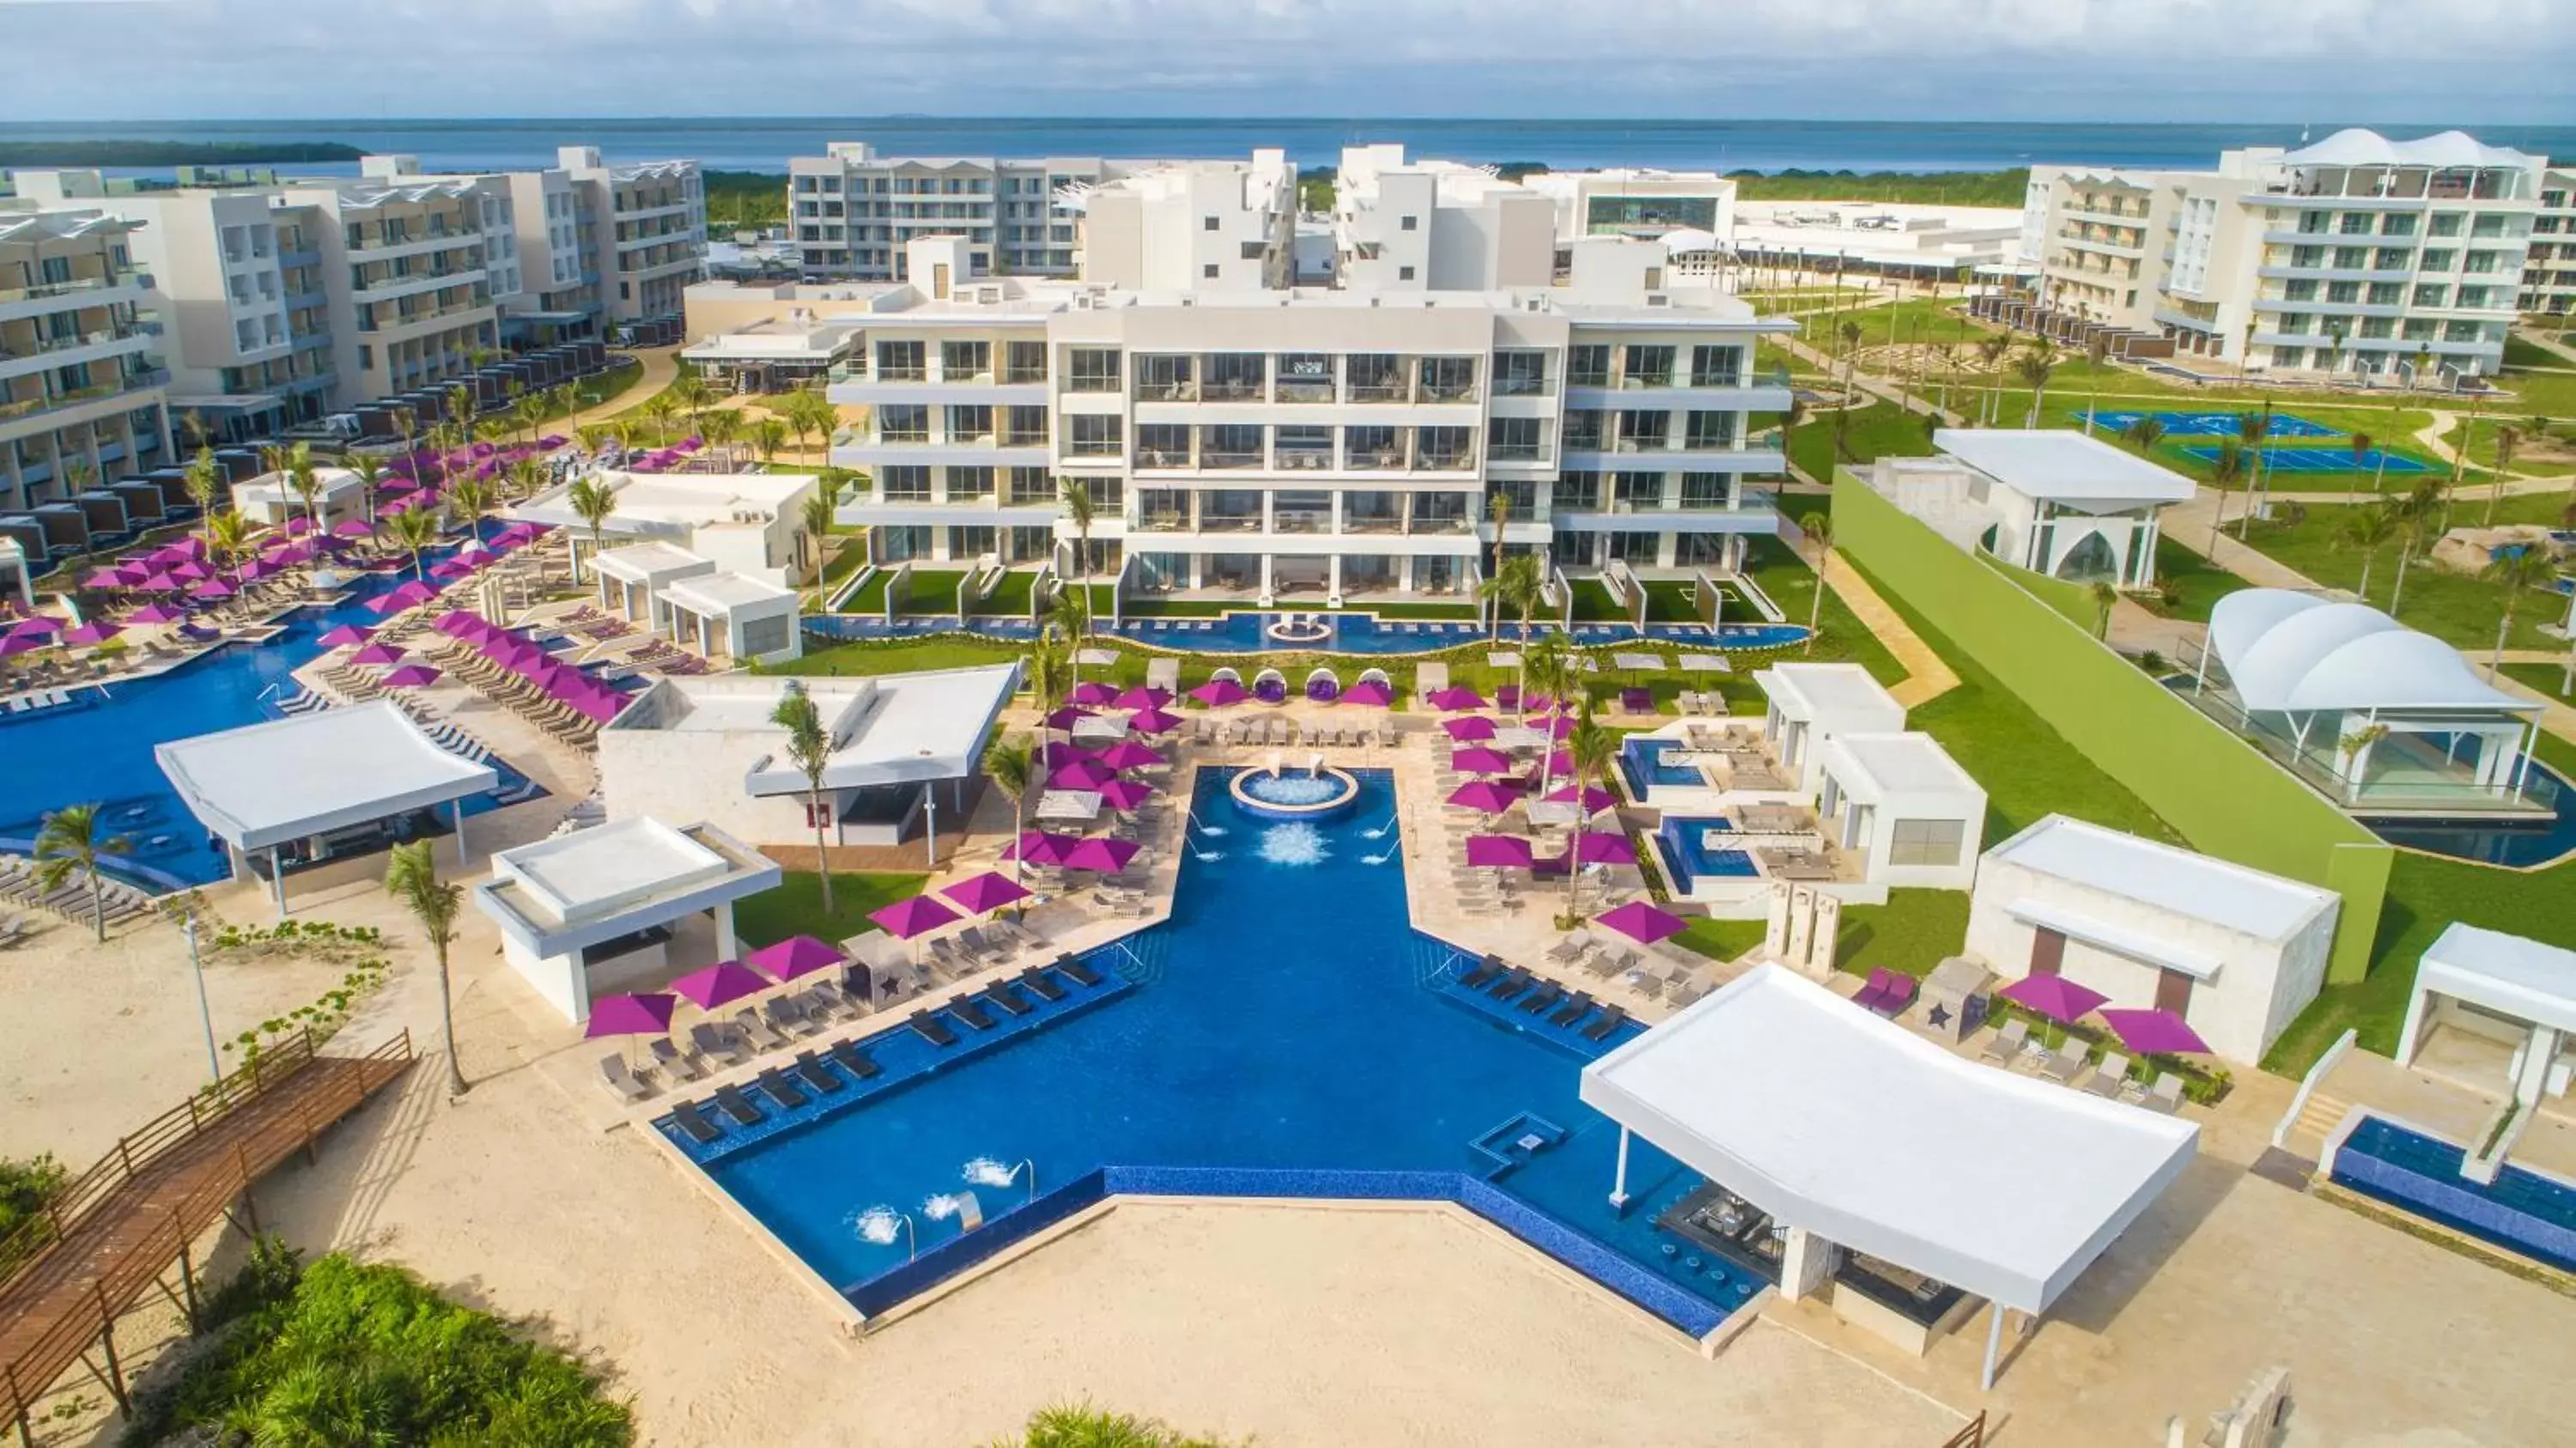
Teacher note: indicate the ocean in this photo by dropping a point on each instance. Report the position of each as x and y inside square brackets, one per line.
[765, 143]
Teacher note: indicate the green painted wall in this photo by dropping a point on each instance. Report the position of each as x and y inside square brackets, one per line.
[2225, 798]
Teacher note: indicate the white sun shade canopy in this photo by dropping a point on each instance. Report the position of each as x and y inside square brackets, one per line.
[308, 774]
[1852, 1127]
[2506, 974]
[2074, 469]
[2296, 652]
[2355, 146]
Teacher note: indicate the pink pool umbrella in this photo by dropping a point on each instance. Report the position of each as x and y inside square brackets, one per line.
[458, 623]
[1368, 694]
[1125, 794]
[1093, 693]
[377, 656]
[1218, 693]
[2155, 1033]
[1560, 764]
[92, 633]
[1641, 922]
[155, 613]
[1457, 698]
[648, 1014]
[1040, 847]
[1066, 717]
[212, 588]
[1154, 721]
[1101, 855]
[721, 984]
[1480, 761]
[1468, 729]
[1141, 697]
[353, 529]
[192, 571]
[18, 643]
[411, 676]
[1593, 800]
[162, 583]
[1603, 847]
[1506, 852]
[385, 605]
[795, 956]
[913, 915]
[451, 570]
[1058, 753]
[1485, 796]
[106, 578]
[1081, 774]
[44, 624]
[1128, 754]
[985, 893]
[2053, 996]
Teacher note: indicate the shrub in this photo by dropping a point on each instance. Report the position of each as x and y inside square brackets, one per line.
[25, 1187]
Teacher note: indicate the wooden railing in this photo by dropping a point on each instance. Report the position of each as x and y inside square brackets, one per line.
[1972, 1435]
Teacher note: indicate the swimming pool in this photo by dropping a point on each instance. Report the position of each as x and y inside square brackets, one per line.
[1687, 854]
[1246, 632]
[2516, 843]
[2526, 1211]
[1287, 1028]
[1643, 764]
[100, 751]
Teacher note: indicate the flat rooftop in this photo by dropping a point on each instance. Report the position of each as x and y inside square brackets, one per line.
[307, 774]
[2166, 877]
[599, 870]
[1894, 764]
[2064, 467]
[1814, 690]
[892, 729]
[646, 501]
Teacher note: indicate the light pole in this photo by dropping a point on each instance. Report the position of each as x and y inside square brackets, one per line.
[205, 1012]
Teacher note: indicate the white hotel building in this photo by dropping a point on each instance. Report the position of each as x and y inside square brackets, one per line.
[1303, 445]
[2358, 255]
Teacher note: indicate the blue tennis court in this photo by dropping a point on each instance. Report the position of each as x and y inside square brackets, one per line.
[2323, 460]
[2213, 424]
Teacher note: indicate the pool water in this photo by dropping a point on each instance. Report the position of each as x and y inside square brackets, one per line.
[1351, 633]
[1287, 1017]
[2523, 1210]
[100, 752]
[2518, 844]
[1687, 855]
[1644, 764]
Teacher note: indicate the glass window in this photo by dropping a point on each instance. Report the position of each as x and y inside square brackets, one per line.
[901, 362]
[1024, 426]
[1643, 429]
[2391, 258]
[1444, 448]
[1520, 374]
[2302, 290]
[1166, 378]
[1094, 435]
[963, 361]
[1583, 430]
[1715, 366]
[904, 484]
[1162, 445]
[1579, 492]
[1025, 362]
[1711, 430]
[1303, 447]
[1372, 447]
[2397, 224]
[1649, 366]
[2356, 223]
[1513, 439]
[1377, 377]
[2432, 296]
[1706, 490]
[2351, 258]
[1925, 842]
[2445, 223]
[970, 423]
[1095, 369]
[1587, 366]
[1031, 485]
[1235, 376]
[969, 484]
[1305, 377]
[2441, 259]
[1637, 490]
[903, 422]
[1231, 446]
[1448, 379]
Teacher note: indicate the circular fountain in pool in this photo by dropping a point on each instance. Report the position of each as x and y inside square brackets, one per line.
[1297, 629]
[1294, 794]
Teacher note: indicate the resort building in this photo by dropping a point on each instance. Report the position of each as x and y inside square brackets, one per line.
[1909, 242]
[2359, 255]
[1428, 225]
[2549, 277]
[719, 614]
[854, 211]
[422, 257]
[2067, 505]
[1332, 445]
[1899, 810]
[597, 910]
[2232, 951]
[647, 231]
[2375, 716]
[1807, 704]
[270, 498]
[747, 523]
[1871, 1214]
[904, 748]
[772, 353]
[1190, 226]
[2496, 1010]
[83, 398]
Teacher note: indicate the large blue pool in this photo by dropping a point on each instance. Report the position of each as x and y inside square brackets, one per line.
[2540, 840]
[1351, 633]
[98, 750]
[2526, 1211]
[1286, 1021]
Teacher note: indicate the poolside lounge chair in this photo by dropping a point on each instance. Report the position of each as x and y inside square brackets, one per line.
[731, 1101]
[1514, 981]
[1079, 973]
[2165, 1096]
[693, 1125]
[715, 1041]
[930, 1028]
[966, 1009]
[1541, 997]
[991, 947]
[621, 1082]
[1612, 1018]
[1035, 981]
[1479, 972]
[2109, 1076]
[677, 1064]
[810, 1070]
[848, 1056]
[779, 1089]
[1571, 947]
[2007, 1042]
[1575, 1008]
[787, 1017]
[1006, 995]
[1014, 931]
[2065, 1063]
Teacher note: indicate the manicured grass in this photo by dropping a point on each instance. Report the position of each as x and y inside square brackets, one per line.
[2551, 394]
[1010, 597]
[1792, 585]
[1913, 932]
[1593, 603]
[1879, 430]
[795, 907]
[1721, 939]
[933, 593]
[870, 597]
[2522, 352]
[2538, 453]
[2550, 679]
[1669, 602]
[2458, 609]
[2198, 583]
[852, 557]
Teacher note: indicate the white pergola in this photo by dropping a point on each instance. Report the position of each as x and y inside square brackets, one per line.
[2502, 976]
[1849, 1129]
[265, 786]
[632, 578]
[722, 615]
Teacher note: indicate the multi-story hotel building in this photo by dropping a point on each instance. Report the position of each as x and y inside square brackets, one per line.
[2357, 256]
[1430, 225]
[1321, 445]
[82, 398]
[412, 263]
[854, 211]
[2549, 277]
[647, 234]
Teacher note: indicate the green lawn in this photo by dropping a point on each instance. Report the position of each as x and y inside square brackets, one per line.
[2459, 609]
[1913, 932]
[1792, 585]
[870, 597]
[1010, 597]
[795, 907]
[2522, 352]
[1879, 430]
[932, 592]
[2198, 583]
[2550, 679]
[2544, 447]
[1670, 602]
[1593, 603]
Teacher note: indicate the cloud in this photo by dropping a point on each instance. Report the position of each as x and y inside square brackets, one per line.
[2179, 60]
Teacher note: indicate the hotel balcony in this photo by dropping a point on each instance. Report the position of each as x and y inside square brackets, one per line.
[1714, 396]
[47, 298]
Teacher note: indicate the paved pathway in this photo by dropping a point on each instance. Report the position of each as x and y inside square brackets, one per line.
[661, 365]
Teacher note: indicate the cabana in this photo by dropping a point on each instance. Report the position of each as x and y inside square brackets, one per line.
[631, 577]
[320, 786]
[2514, 993]
[1900, 806]
[2061, 503]
[270, 498]
[1811, 703]
[731, 616]
[1882, 1158]
[595, 908]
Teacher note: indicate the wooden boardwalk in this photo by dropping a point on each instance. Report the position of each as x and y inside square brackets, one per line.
[108, 1239]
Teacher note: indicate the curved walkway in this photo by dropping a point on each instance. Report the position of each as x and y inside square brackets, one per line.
[661, 367]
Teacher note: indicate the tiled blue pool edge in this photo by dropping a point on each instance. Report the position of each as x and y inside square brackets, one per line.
[1562, 1244]
[2450, 1203]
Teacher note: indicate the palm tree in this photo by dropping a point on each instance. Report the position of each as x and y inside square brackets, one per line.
[1849, 334]
[1547, 667]
[305, 482]
[2251, 429]
[227, 537]
[1991, 350]
[2225, 471]
[1012, 765]
[407, 423]
[1519, 588]
[594, 436]
[2353, 746]
[1818, 526]
[769, 435]
[809, 748]
[530, 413]
[1590, 749]
[1078, 508]
[203, 481]
[471, 498]
[2369, 530]
[69, 842]
[1499, 509]
[814, 519]
[720, 426]
[2413, 512]
[2517, 571]
[371, 473]
[592, 501]
[411, 877]
[2097, 355]
[2144, 433]
[2508, 440]
[414, 530]
[659, 409]
[2032, 369]
[1070, 611]
[2362, 443]
[1050, 671]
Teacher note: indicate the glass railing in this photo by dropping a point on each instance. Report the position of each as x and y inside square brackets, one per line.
[1304, 392]
[1161, 523]
[1024, 439]
[1517, 452]
[1301, 522]
[1167, 392]
[1305, 459]
[1373, 523]
[1445, 462]
[1230, 523]
[1223, 458]
[1465, 392]
[1231, 391]
[1379, 392]
[42, 290]
[1520, 386]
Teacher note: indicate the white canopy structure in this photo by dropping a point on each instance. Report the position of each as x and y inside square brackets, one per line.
[1902, 804]
[2071, 469]
[1849, 1128]
[265, 786]
[2503, 981]
[1807, 704]
[2313, 674]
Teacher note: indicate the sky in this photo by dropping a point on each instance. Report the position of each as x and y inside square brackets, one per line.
[2437, 61]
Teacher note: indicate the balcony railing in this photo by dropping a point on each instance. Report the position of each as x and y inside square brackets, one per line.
[1445, 462]
[1231, 391]
[1379, 392]
[1229, 458]
[907, 438]
[72, 343]
[1301, 521]
[903, 374]
[1305, 459]
[1167, 392]
[1465, 392]
[1305, 391]
[1517, 452]
[1520, 386]
[1373, 523]
[129, 277]
[1161, 523]
[1230, 522]
[1025, 438]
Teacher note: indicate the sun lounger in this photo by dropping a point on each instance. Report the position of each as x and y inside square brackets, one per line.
[1035, 981]
[1542, 996]
[1013, 931]
[787, 1017]
[1006, 995]
[756, 1031]
[2165, 1096]
[991, 948]
[1570, 947]
[620, 1082]
[965, 1009]
[693, 1125]
[1612, 1018]
[931, 1028]
[779, 1089]
[848, 1056]
[1575, 1008]
[677, 1064]
[1513, 983]
[714, 1041]
[1478, 973]
[731, 1101]
[2065, 1063]
[2007, 1042]
[2108, 1077]
[810, 1071]
[1079, 973]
